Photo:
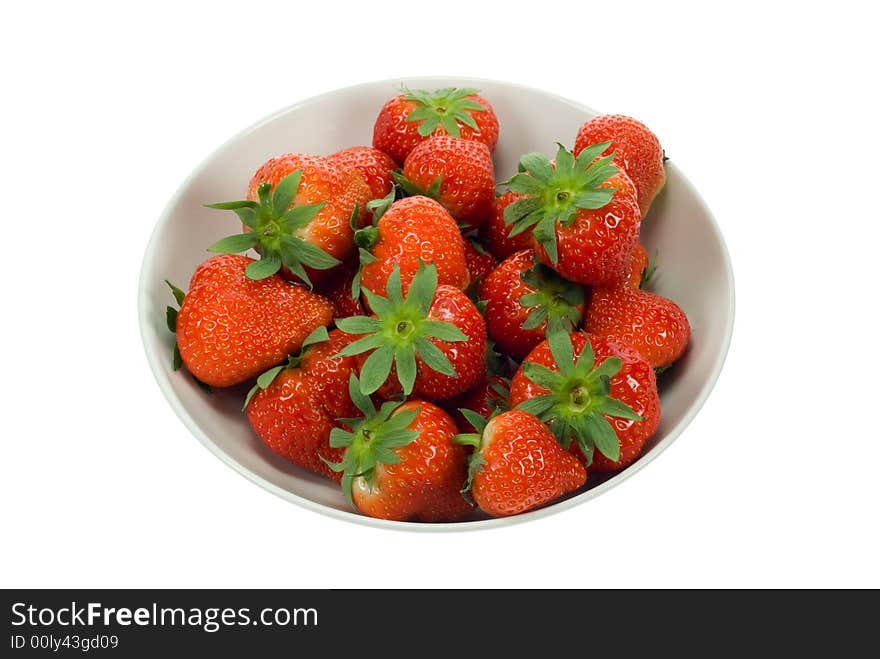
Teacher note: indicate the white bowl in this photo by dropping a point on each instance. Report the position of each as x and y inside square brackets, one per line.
[694, 270]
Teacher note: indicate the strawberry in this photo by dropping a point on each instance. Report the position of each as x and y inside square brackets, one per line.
[456, 172]
[650, 323]
[517, 464]
[636, 149]
[296, 215]
[434, 338]
[479, 262]
[374, 166]
[494, 232]
[338, 290]
[294, 407]
[400, 462]
[526, 300]
[409, 232]
[231, 328]
[488, 398]
[411, 117]
[594, 390]
[584, 213]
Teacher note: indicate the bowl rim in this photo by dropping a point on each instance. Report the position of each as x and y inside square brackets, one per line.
[145, 324]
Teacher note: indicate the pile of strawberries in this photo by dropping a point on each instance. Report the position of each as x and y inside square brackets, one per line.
[431, 346]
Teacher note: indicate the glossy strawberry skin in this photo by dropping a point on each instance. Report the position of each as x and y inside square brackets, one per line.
[467, 188]
[595, 248]
[337, 289]
[652, 324]
[468, 358]
[295, 414]
[322, 181]
[504, 314]
[635, 385]
[426, 484]
[375, 168]
[414, 229]
[494, 232]
[231, 328]
[524, 466]
[638, 263]
[478, 264]
[484, 399]
[637, 151]
[396, 136]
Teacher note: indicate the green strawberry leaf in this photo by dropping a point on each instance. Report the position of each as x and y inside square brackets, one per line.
[235, 244]
[376, 369]
[603, 436]
[178, 294]
[285, 191]
[434, 357]
[265, 267]
[448, 107]
[171, 319]
[176, 359]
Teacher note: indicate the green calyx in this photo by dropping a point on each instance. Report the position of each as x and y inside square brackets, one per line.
[476, 459]
[579, 398]
[274, 225]
[366, 237]
[555, 194]
[411, 189]
[555, 300]
[319, 335]
[372, 439]
[171, 322]
[399, 331]
[449, 107]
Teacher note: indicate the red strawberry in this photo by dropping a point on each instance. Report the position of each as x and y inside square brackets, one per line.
[517, 464]
[338, 290]
[411, 231]
[373, 165]
[494, 232]
[231, 328]
[375, 168]
[479, 262]
[297, 215]
[584, 213]
[525, 301]
[433, 341]
[456, 172]
[488, 398]
[413, 116]
[650, 323]
[594, 390]
[637, 150]
[400, 462]
[294, 407]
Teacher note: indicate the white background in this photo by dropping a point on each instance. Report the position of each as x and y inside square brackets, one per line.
[769, 109]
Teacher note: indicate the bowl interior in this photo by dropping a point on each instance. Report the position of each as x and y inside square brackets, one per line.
[694, 269]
